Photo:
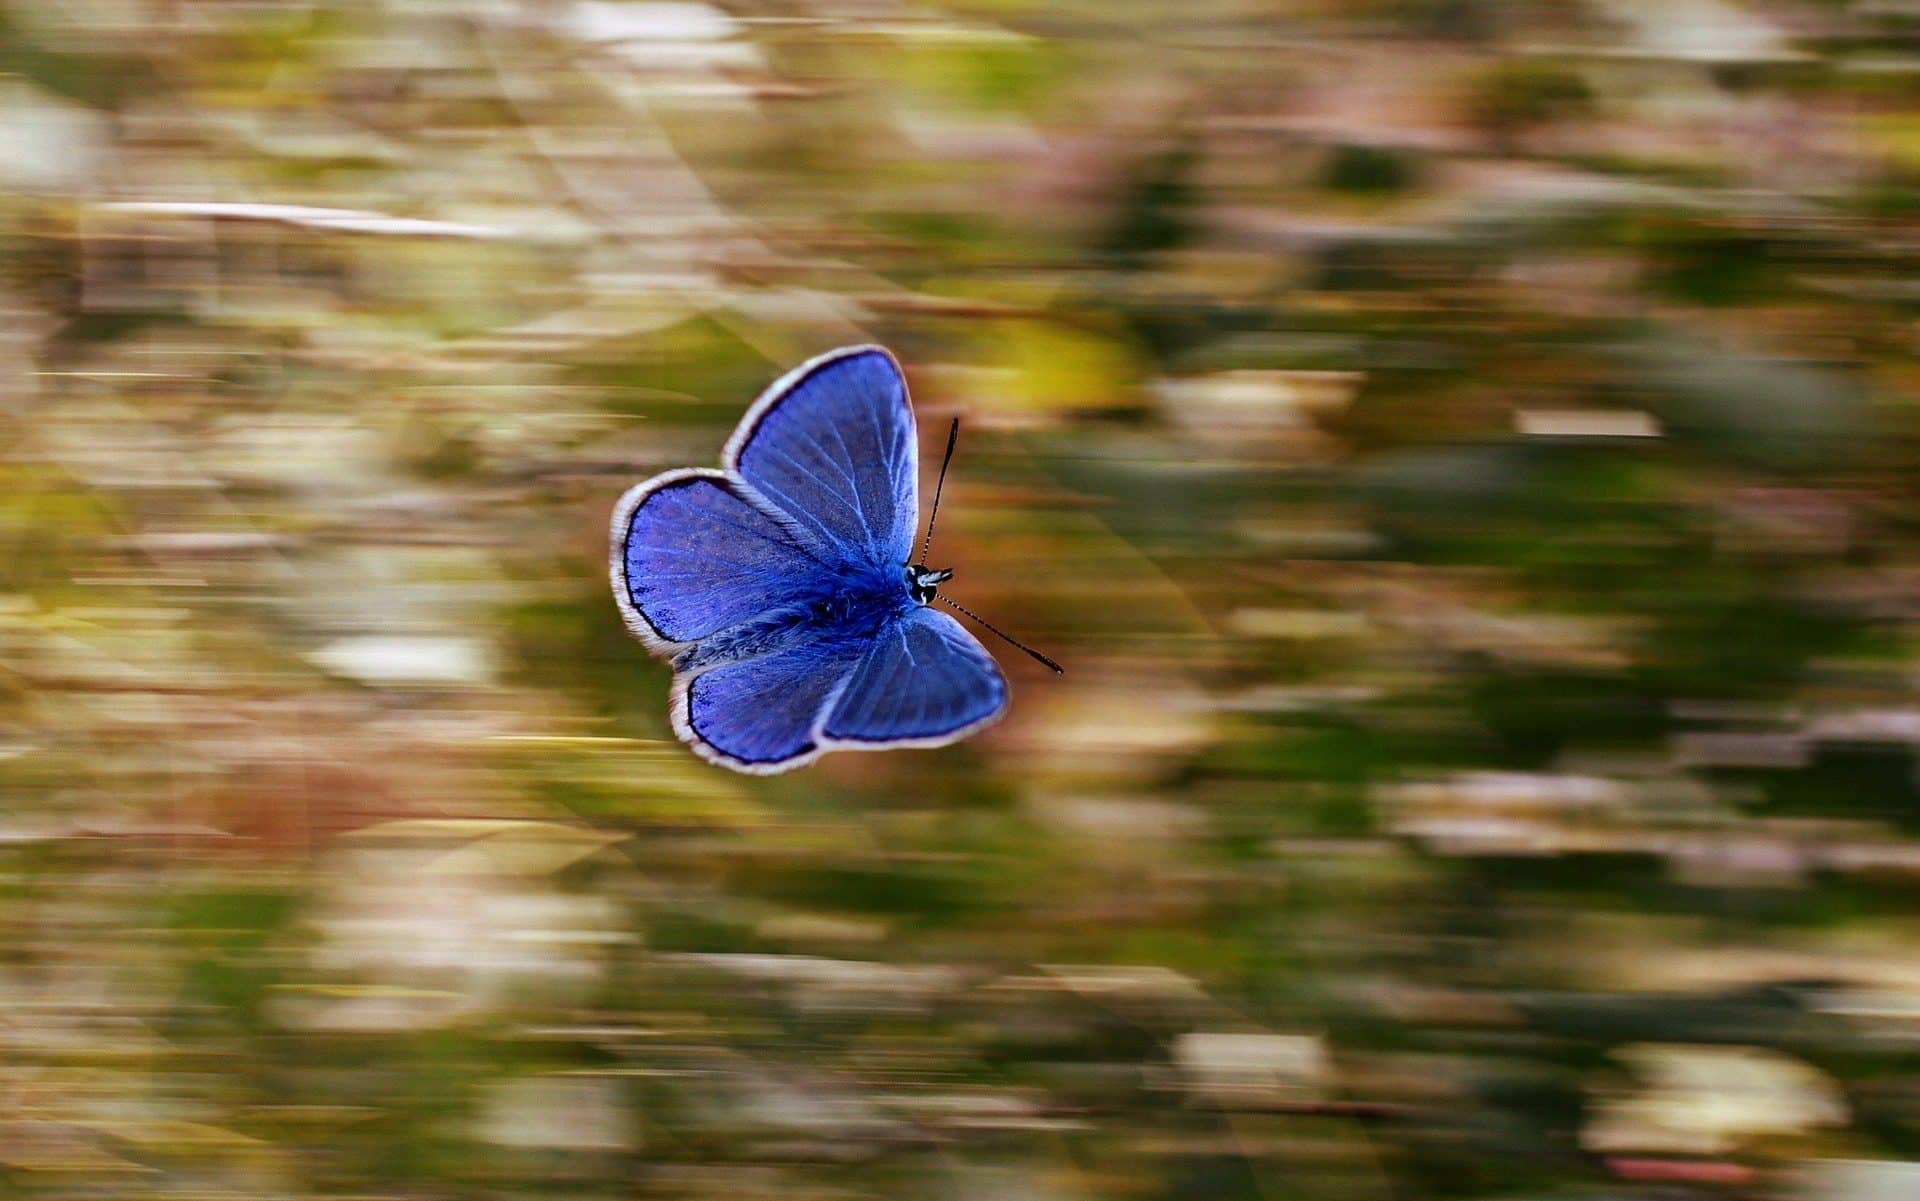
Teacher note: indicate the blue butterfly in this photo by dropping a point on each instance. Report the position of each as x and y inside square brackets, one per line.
[784, 589]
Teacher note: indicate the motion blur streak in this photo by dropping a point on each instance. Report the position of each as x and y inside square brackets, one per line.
[1467, 451]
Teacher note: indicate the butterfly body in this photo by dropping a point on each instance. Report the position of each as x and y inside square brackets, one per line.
[781, 587]
[829, 618]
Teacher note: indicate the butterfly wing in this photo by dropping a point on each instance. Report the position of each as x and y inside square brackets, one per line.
[695, 554]
[832, 445]
[762, 715]
[923, 681]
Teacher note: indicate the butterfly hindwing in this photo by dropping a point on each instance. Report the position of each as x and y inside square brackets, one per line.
[924, 680]
[694, 555]
[762, 714]
[832, 444]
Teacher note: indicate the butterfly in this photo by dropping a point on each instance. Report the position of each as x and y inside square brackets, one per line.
[784, 589]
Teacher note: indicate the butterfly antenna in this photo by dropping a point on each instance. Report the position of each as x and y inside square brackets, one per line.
[953, 435]
[1057, 669]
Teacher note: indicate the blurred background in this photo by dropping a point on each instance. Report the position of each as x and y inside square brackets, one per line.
[1465, 452]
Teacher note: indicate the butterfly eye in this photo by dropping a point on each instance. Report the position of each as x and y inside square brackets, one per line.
[924, 582]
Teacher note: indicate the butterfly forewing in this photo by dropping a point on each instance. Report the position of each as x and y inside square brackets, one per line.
[697, 557]
[836, 451]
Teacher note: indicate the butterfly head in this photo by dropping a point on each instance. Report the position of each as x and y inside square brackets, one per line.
[924, 581]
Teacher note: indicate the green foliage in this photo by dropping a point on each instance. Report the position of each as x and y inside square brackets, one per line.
[1514, 96]
[1369, 170]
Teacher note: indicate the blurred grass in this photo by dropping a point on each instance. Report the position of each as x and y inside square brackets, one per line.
[1463, 452]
